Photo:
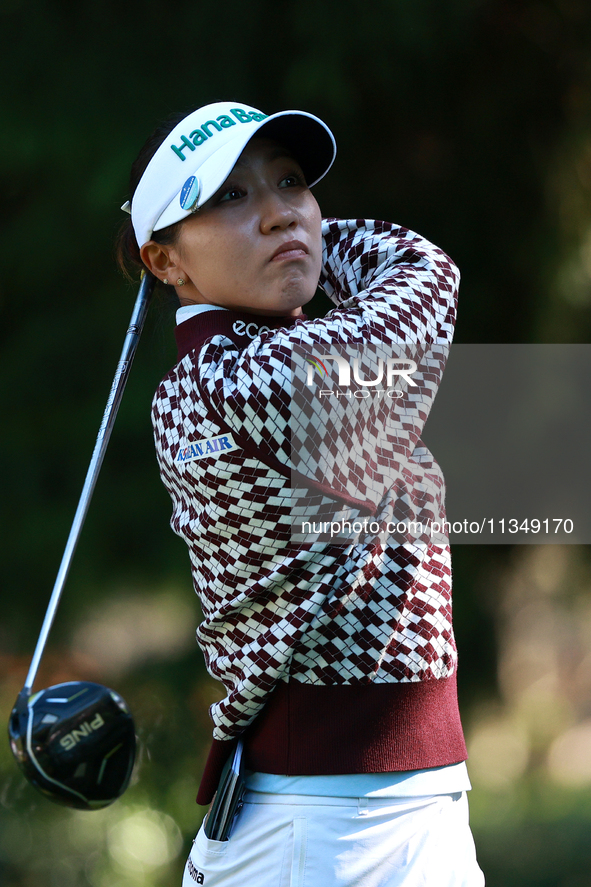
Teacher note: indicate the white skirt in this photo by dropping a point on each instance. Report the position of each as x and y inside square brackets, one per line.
[303, 841]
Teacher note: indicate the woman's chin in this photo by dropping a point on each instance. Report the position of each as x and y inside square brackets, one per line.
[288, 304]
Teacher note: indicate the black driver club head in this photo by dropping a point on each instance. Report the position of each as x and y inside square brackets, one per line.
[75, 743]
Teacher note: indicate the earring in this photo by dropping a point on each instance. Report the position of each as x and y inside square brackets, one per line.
[165, 281]
[180, 282]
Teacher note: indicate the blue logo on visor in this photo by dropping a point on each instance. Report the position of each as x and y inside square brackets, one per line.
[190, 194]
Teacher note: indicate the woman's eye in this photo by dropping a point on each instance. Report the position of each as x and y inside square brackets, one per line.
[232, 194]
[293, 180]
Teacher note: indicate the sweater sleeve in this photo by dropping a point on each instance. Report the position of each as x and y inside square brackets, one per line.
[395, 296]
[377, 269]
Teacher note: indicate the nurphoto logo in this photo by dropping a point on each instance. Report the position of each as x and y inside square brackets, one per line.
[388, 371]
[395, 367]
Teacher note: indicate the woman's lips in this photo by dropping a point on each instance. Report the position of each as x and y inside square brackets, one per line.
[293, 249]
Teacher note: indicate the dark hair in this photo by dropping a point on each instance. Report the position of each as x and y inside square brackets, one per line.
[127, 250]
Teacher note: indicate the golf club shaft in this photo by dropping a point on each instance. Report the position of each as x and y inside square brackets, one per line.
[127, 354]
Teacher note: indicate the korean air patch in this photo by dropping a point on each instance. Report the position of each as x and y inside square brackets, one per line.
[208, 448]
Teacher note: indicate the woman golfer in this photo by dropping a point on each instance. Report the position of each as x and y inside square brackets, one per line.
[332, 637]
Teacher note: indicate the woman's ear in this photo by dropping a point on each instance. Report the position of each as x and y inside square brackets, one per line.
[159, 259]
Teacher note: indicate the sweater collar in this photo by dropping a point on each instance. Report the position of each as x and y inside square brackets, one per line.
[239, 326]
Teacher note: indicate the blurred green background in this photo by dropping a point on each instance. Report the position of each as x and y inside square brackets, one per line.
[468, 121]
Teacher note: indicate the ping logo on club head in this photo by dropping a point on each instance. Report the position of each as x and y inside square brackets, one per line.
[190, 194]
[86, 728]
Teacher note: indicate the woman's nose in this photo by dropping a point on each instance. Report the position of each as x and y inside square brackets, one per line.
[276, 214]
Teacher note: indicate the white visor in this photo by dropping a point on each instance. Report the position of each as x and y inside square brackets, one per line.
[196, 158]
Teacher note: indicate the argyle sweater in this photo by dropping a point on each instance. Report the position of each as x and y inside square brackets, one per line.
[336, 656]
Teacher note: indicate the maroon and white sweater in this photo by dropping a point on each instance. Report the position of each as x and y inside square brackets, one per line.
[336, 658]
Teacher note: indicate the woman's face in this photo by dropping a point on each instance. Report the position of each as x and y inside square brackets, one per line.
[256, 244]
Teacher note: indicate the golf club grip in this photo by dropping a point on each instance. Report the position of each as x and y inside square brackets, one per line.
[116, 393]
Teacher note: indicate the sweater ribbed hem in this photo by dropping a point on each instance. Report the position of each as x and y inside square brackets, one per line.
[363, 728]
